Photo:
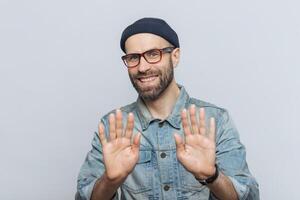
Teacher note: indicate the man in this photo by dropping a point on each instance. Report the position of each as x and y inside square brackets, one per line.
[166, 145]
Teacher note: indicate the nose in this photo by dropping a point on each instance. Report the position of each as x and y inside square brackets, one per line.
[144, 65]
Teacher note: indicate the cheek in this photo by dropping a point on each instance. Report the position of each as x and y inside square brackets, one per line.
[167, 65]
[173, 62]
[132, 72]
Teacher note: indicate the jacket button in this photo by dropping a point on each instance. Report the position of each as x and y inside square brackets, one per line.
[166, 188]
[163, 155]
[161, 124]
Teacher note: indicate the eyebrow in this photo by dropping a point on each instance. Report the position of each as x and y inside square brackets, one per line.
[144, 51]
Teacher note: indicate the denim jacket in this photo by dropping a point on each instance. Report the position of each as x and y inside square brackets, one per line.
[158, 174]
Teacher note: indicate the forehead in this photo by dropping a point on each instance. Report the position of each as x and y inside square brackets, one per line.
[144, 41]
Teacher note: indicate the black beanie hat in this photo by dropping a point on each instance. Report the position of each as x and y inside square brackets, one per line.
[155, 26]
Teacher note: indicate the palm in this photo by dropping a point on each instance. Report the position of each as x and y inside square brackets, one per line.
[197, 154]
[119, 157]
[119, 154]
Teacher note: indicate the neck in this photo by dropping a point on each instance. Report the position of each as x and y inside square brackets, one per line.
[163, 105]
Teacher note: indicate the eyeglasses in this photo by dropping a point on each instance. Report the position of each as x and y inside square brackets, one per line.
[152, 56]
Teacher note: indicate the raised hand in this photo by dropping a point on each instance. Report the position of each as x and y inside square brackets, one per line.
[197, 152]
[119, 154]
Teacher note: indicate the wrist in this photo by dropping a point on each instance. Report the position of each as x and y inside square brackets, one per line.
[112, 181]
[208, 179]
[210, 171]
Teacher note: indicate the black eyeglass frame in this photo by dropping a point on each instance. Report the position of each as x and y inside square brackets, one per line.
[161, 51]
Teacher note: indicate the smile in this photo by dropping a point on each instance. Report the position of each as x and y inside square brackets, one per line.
[147, 79]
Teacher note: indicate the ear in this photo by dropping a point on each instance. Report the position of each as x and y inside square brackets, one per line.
[175, 57]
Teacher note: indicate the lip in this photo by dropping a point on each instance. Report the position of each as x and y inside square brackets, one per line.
[146, 79]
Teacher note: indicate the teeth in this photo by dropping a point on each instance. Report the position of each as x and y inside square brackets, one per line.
[147, 79]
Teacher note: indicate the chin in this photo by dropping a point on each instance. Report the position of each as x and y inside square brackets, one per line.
[152, 94]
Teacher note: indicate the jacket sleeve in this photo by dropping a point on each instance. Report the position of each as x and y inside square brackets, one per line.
[91, 170]
[231, 159]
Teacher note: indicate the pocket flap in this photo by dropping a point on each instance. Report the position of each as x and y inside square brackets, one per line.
[144, 156]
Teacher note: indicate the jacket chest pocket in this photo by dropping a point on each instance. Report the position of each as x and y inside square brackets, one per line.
[140, 179]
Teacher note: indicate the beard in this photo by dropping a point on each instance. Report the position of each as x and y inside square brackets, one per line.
[152, 92]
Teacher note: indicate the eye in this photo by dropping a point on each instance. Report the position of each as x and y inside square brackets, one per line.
[154, 53]
[132, 57]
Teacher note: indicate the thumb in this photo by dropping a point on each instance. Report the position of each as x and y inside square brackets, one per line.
[179, 142]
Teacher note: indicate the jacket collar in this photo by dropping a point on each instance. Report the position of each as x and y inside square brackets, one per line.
[174, 118]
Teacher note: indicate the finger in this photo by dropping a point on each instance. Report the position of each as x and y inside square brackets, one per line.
[102, 134]
[194, 123]
[202, 125]
[179, 142]
[136, 142]
[129, 126]
[185, 123]
[119, 123]
[212, 129]
[112, 126]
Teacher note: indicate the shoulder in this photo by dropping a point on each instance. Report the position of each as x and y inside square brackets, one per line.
[207, 105]
[219, 113]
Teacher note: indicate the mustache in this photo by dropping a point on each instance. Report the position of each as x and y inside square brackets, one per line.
[141, 75]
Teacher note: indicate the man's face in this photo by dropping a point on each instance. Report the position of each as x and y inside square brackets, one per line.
[150, 80]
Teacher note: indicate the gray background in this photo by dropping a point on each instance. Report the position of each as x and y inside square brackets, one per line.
[60, 72]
